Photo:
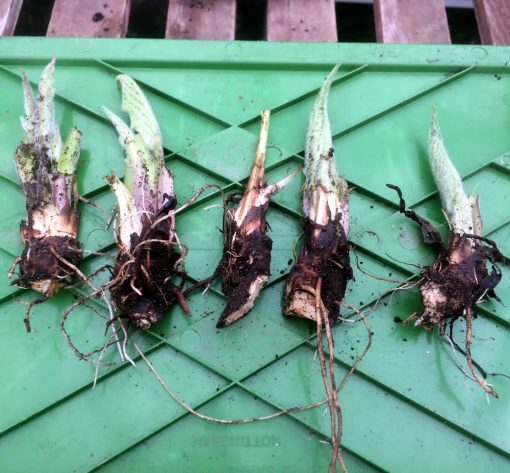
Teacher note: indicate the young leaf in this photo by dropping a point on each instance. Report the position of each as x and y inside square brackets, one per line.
[454, 200]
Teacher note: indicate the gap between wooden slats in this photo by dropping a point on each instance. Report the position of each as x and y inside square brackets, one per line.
[411, 21]
[89, 18]
[201, 19]
[301, 20]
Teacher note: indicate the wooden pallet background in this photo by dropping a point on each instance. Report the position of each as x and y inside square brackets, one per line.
[396, 21]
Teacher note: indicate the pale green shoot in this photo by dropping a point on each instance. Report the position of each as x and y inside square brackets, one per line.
[455, 202]
[325, 192]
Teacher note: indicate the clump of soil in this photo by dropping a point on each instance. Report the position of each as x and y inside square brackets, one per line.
[324, 254]
[143, 288]
[245, 267]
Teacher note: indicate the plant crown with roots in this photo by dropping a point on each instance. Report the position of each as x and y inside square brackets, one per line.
[245, 264]
[316, 285]
[458, 279]
[325, 251]
[149, 251]
[46, 169]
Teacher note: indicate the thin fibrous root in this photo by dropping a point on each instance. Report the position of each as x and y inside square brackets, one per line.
[485, 386]
[325, 379]
[87, 281]
[456, 347]
[192, 199]
[101, 355]
[12, 269]
[93, 204]
[335, 411]
[215, 419]
[80, 355]
[26, 318]
[294, 248]
[367, 347]
[261, 418]
[379, 278]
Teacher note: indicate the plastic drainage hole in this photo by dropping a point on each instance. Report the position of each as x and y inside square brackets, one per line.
[236, 338]
[190, 338]
[408, 240]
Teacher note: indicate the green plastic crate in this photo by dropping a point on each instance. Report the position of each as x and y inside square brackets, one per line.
[408, 408]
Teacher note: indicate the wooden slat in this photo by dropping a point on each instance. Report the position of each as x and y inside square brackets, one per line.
[9, 12]
[493, 18]
[89, 18]
[411, 21]
[201, 19]
[301, 20]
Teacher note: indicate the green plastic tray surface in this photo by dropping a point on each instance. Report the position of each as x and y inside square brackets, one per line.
[408, 408]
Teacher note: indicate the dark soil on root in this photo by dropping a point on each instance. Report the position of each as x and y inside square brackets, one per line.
[459, 279]
[154, 281]
[324, 256]
[246, 257]
[462, 284]
[38, 260]
[244, 260]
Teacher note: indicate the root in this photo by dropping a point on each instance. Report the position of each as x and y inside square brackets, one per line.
[91, 252]
[193, 198]
[87, 356]
[365, 350]
[417, 266]
[124, 343]
[379, 278]
[80, 355]
[13, 267]
[322, 361]
[87, 281]
[485, 386]
[93, 275]
[455, 347]
[181, 300]
[215, 419]
[93, 204]
[335, 411]
[26, 318]
[204, 282]
[101, 355]
[294, 248]
[409, 319]
[219, 268]
[270, 416]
